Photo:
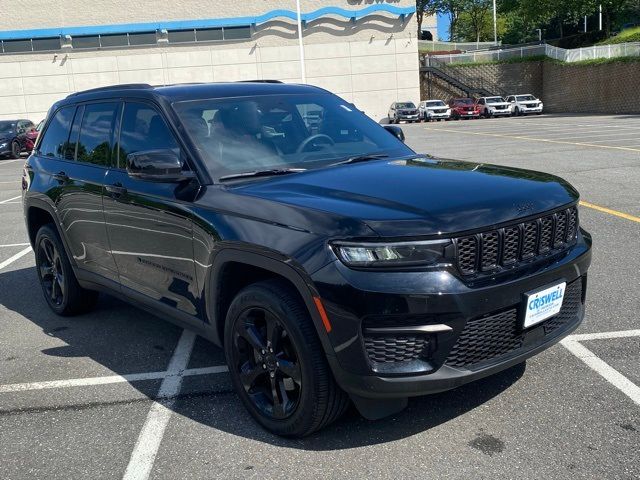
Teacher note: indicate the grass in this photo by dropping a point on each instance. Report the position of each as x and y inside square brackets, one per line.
[628, 35]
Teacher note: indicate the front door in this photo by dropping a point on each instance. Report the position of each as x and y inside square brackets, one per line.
[149, 226]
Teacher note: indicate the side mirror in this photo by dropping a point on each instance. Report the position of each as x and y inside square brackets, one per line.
[395, 131]
[157, 166]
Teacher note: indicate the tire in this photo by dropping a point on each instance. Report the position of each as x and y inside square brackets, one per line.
[15, 150]
[517, 112]
[59, 284]
[313, 399]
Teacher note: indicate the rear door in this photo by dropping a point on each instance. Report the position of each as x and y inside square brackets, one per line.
[149, 225]
[76, 152]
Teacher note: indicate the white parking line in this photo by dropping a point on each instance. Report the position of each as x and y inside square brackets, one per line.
[17, 256]
[10, 199]
[610, 374]
[146, 448]
[15, 245]
[107, 380]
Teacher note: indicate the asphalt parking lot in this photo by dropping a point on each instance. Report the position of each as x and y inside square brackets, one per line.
[99, 395]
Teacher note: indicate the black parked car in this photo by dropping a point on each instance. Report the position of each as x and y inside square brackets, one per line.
[13, 137]
[331, 262]
[403, 112]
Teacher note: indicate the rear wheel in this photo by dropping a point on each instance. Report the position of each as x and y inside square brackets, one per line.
[59, 284]
[276, 361]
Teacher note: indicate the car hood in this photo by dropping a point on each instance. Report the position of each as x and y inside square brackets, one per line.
[500, 104]
[421, 196]
[436, 108]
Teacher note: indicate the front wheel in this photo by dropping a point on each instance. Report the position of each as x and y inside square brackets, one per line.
[59, 284]
[15, 150]
[276, 362]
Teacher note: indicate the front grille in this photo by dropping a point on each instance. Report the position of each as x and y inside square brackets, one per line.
[496, 335]
[505, 247]
[394, 348]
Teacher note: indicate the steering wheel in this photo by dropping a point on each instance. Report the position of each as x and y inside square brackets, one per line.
[307, 141]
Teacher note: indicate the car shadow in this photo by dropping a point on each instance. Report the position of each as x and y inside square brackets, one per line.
[127, 340]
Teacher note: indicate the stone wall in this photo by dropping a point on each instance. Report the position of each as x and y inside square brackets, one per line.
[564, 88]
[608, 88]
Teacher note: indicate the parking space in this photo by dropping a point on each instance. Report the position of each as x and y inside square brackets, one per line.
[120, 393]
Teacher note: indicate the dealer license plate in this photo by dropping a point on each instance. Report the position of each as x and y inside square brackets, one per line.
[543, 304]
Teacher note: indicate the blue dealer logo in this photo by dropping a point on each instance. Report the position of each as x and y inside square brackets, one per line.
[539, 302]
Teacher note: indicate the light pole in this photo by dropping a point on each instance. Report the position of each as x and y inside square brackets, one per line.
[495, 24]
[303, 74]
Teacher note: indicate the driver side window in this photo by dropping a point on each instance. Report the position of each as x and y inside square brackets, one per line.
[143, 128]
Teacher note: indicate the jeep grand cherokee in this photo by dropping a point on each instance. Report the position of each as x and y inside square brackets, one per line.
[331, 262]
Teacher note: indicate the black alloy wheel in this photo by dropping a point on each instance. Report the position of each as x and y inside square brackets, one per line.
[15, 150]
[276, 362]
[51, 272]
[268, 363]
[59, 284]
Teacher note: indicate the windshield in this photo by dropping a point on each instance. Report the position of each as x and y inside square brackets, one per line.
[238, 135]
[436, 103]
[495, 100]
[405, 105]
[464, 101]
[525, 98]
[6, 127]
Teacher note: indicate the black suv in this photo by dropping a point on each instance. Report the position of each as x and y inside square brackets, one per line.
[331, 262]
[13, 137]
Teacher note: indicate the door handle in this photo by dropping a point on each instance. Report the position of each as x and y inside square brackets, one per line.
[61, 177]
[116, 189]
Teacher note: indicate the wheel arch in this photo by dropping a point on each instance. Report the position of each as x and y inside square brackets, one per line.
[233, 269]
[38, 214]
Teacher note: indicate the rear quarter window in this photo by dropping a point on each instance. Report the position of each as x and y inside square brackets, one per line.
[56, 137]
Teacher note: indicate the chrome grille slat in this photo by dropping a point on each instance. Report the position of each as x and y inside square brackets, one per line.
[505, 247]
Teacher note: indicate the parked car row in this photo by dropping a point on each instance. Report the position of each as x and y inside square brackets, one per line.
[17, 136]
[459, 108]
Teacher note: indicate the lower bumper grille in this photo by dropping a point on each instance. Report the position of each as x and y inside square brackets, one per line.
[491, 337]
[395, 348]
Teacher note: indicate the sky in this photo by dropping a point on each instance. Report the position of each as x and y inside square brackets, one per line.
[443, 27]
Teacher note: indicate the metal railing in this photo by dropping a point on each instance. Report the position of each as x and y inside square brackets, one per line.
[432, 46]
[573, 55]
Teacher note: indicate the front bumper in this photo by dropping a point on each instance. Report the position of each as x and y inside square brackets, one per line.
[433, 115]
[495, 111]
[531, 109]
[469, 114]
[353, 299]
[405, 117]
[5, 149]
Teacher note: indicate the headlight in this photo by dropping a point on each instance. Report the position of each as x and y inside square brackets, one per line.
[2, 145]
[380, 255]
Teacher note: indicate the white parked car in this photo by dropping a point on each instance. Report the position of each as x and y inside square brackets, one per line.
[434, 110]
[523, 104]
[493, 106]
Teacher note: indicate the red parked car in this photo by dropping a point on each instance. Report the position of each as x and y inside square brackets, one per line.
[32, 136]
[464, 108]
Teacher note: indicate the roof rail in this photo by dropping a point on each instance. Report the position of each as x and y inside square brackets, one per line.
[259, 81]
[124, 86]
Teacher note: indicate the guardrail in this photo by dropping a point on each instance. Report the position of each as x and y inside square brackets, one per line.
[431, 46]
[574, 55]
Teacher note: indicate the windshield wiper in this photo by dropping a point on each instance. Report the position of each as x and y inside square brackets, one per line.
[361, 158]
[262, 173]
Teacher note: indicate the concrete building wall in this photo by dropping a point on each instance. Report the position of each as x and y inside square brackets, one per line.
[370, 62]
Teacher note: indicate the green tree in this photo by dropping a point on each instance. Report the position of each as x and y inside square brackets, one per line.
[426, 7]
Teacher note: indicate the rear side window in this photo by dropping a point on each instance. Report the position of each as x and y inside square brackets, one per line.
[143, 128]
[55, 139]
[94, 142]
